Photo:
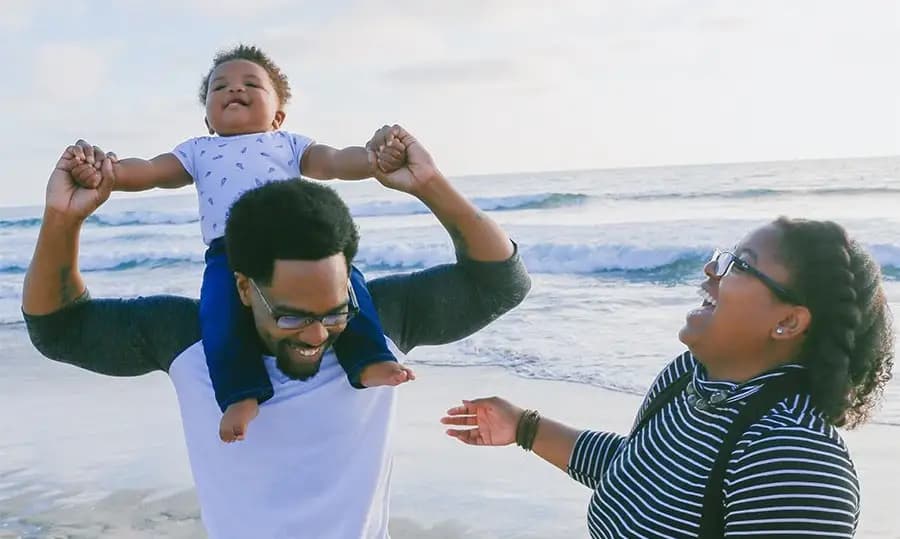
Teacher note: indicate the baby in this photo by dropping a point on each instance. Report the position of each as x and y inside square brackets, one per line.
[244, 94]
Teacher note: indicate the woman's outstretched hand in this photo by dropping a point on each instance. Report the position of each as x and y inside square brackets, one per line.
[490, 421]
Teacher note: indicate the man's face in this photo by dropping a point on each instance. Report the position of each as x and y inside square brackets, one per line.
[299, 288]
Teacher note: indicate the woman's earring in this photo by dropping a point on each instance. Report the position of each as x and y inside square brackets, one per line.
[779, 330]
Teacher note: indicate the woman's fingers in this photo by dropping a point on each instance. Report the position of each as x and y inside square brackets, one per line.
[469, 436]
[468, 420]
[457, 410]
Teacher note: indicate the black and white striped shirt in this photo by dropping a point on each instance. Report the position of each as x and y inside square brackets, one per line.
[790, 474]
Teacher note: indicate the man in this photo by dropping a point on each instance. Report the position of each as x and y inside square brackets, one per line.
[319, 461]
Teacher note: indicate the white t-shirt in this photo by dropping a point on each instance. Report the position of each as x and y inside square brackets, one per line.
[224, 168]
[316, 462]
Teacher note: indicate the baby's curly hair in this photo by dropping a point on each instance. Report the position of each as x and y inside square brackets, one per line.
[849, 348]
[254, 54]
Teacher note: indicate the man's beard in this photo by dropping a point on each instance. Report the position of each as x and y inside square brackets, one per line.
[297, 372]
[300, 371]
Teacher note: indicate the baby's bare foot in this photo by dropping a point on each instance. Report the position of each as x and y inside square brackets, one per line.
[386, 373]
[237, 416]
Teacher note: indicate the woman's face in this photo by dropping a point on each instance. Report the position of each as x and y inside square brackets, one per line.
[739, 314]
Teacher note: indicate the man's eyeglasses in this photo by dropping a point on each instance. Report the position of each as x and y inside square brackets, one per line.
[725, 260]
[294, 322]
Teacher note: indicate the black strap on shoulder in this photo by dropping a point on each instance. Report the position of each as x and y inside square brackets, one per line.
[712, 521]
[667, 394]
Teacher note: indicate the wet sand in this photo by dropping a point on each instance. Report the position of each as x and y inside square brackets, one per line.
[442, 489]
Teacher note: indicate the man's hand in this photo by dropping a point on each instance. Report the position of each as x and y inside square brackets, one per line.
[68, 197]
[413, 175]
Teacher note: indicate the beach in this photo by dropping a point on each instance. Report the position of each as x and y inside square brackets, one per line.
[615, 258]
[93, 475]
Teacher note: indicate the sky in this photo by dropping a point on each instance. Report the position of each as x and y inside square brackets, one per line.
[489, 86]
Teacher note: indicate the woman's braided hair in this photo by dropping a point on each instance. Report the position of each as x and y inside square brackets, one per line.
[849, 347]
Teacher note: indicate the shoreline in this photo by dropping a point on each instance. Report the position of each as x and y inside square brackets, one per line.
[442, 489]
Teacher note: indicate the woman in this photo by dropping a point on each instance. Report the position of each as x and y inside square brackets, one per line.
[794, 323]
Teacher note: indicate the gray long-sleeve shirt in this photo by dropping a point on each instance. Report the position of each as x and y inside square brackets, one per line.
[130, 337]
[283, 480]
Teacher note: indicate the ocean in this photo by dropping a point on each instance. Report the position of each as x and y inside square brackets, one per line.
[615, 256]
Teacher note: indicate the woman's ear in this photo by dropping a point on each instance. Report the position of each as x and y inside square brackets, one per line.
[795, 324]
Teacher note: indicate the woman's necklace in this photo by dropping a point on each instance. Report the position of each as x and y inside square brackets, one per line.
[697, 401]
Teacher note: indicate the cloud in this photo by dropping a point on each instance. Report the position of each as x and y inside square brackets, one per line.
[471, 43]
[624, 83]
[69, 71]
[239, 8]
[17, 15]
[355, 40]
[455, 72]
[724, 24]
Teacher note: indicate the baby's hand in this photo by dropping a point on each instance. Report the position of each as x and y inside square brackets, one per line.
[86, 175]
[391, 156]
[88, 160]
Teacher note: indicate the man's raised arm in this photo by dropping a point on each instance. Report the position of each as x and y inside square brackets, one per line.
[447, 303]
[53, 280]
[116, 337]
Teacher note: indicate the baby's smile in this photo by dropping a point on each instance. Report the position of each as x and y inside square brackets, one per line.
[237, 101]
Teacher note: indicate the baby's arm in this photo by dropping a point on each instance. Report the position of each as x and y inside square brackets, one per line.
[323, 162]
[132, 174]
[164, 171]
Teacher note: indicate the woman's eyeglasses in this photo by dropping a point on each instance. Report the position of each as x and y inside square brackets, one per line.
[725, 260]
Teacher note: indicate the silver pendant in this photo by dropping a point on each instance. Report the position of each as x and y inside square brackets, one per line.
[694, 399]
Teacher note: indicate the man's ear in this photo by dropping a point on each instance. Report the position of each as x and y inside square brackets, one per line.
[209, 127]
[242, 282]
[278, 120]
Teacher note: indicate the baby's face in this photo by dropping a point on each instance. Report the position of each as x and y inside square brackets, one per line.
[241, 99]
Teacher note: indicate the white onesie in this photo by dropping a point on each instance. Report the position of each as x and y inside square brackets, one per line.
[224, 168]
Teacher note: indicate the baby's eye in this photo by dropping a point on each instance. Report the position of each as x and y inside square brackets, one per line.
[218, 87]
[253, 85]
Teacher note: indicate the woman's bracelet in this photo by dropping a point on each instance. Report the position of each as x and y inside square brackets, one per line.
[526, 429]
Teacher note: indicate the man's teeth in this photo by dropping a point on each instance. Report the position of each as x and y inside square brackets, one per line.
[303, 351]
[707, 298]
